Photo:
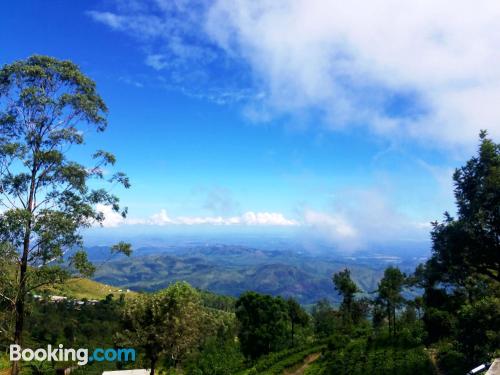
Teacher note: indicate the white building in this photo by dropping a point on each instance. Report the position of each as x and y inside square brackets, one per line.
[127, 372]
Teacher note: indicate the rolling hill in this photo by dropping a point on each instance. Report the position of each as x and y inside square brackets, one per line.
[231, 270]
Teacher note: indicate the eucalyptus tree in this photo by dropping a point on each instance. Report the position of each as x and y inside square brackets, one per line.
[46, 197]
[390, 296]
[347, 288]
[297, 315]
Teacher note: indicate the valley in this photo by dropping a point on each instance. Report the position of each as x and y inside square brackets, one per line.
[231, 270]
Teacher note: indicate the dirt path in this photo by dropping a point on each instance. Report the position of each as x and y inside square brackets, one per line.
[307, 362]
[432, 355]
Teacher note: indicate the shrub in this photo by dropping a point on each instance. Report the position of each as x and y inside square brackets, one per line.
[450, 360]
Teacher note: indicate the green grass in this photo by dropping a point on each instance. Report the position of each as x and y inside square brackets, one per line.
[79, 288]
[4, 361]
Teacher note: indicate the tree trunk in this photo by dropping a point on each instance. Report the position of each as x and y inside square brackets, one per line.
[389, 316]
[20, 300]
[394, 320]
[153, 365]
[349, 319]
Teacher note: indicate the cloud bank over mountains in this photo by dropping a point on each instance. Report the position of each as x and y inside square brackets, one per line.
[161, 218]
[345, 226]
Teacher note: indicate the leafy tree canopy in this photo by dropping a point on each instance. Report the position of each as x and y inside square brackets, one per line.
[470, 243]
[46, 106]
[263, 321]
[165, 323]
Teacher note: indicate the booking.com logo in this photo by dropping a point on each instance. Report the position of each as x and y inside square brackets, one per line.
[80, 356]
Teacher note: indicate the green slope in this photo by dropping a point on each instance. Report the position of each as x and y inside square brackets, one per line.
[80, 288]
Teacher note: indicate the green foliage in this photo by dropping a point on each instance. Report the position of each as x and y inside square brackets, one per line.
[275, 363]
[232, 271]
[263, 323]
[439, 323]
[122, 248]
[81, 288]
[325, 319]
[4, 361]
[479, 329]
[469, 244]
[361, 356]
[97, 325]
[45, 197]
[389, 293]
[87, 326]
[297, 315]
[216, 301]
[412, 334]
[337, 341]
[347, 288]
[462, 278]
[451, 361]
[315, 368]
[167, 323]
[216, 357]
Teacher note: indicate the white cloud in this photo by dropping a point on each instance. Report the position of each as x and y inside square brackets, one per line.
[156, 61]
[336, 225]
[112, 219]
[421, 69]
[142, 26]
[161, 218]
[110, 19]
[266, 218]
[360, 217]
[350, 59]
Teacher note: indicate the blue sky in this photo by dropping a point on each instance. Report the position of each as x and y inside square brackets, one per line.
[317, 116]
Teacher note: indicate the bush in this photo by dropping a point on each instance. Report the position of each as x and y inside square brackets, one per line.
[451, 361]
[412, 335]
[337, 341]
[378, 358]
[4, 361]
[439, 324]
[216, 358]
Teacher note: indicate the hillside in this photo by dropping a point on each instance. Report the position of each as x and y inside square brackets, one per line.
[231, 270]
[80, 288]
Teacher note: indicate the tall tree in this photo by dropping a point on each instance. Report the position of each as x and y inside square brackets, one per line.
[347, 288]
[390, 288]
[297, 315]
[263, 321]
[46, 105]
[470, 243]
[461, 280]
[166, 323]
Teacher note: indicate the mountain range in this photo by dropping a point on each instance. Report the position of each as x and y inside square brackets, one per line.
[231, 270]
